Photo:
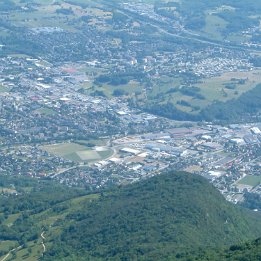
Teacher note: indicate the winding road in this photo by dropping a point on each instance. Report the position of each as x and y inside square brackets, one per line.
[43, 245]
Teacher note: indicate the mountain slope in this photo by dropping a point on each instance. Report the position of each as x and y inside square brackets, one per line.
[165, 216]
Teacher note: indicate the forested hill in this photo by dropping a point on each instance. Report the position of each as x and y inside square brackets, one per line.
[165, 217]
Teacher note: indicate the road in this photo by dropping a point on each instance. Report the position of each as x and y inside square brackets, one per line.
[62, 171]
[43, 238]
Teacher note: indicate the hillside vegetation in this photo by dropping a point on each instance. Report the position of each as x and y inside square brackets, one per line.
[173, 216]
[166, 216]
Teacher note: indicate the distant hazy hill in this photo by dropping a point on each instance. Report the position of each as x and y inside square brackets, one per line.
[166, 216]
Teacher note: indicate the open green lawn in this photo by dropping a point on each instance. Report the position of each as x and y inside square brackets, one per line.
[250, 180]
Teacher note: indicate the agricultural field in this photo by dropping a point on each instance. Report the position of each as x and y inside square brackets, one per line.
[78, 153]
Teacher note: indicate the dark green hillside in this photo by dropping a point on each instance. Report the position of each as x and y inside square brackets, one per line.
[250, 251]
[165, 216]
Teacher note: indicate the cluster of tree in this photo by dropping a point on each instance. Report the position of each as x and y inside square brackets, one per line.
[174, 216]
[119, 78]
[169, 110]
[65, 11]
[250, 251]
[230, 86]
[252, 201]
[98, 93]
[192, 91]
[111, 80]
[15, 42]
[166, 8]
[119, 92]
[256, 60]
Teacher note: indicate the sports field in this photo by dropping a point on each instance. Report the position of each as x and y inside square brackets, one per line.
[250, 180]
[77, 153]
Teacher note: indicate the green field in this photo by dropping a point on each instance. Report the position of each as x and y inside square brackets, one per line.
[45, 111]
[250, 180]
[11, 219]
[7, 245]
[3, 88]
[76, 152]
